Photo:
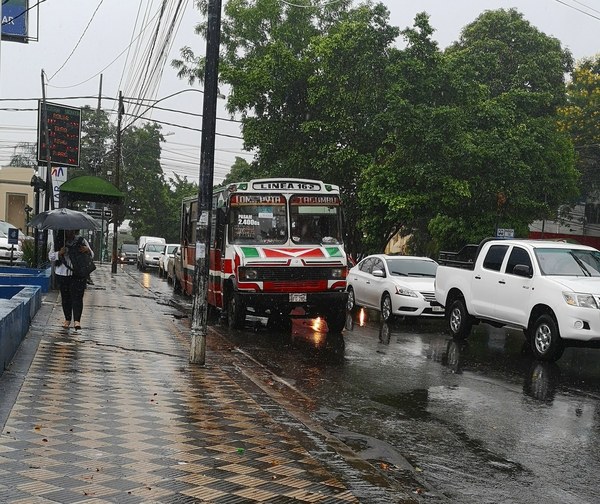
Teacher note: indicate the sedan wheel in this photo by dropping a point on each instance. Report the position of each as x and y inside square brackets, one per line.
[351, 303]
[386, 307]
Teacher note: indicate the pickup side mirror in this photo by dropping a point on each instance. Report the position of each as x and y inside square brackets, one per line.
[378, 273]
[523, 270]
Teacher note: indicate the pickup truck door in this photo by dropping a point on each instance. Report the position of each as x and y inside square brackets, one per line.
[514, 291]
[486, 280]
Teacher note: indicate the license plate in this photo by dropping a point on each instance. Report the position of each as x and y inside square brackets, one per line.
[298, 298]
[437, 308]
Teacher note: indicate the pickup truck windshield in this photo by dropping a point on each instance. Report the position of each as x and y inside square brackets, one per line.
[568, 262]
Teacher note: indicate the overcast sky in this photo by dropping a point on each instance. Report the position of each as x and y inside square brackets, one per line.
[80, 39]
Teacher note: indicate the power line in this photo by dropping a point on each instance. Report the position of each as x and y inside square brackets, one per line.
[579, 10]
[78, 42]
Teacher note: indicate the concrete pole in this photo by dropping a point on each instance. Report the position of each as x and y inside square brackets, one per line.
[207, 153]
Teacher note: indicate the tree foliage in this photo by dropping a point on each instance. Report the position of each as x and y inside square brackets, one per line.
[579, 118]
[444, 146]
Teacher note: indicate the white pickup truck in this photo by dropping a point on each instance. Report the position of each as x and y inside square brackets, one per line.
[549, 289]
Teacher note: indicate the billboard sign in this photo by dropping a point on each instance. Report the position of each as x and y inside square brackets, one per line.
[14, 20]
[58, 176]
[64, 133]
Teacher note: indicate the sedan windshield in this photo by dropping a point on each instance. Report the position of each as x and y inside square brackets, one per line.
[568, 262]
[411, 267]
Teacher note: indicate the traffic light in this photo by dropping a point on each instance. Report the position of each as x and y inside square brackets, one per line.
[38, 183]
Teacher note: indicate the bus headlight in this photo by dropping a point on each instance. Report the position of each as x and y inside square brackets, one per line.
[337, 273]
[248, 274]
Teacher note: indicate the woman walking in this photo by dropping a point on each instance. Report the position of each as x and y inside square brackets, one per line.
[71, 287]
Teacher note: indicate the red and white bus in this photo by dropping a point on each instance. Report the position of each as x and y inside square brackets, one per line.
[276, 246]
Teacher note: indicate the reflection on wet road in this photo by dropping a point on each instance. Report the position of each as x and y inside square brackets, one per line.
[480, 420]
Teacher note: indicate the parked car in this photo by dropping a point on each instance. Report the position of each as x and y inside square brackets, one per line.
[394, 285]
[170, 273]
[164, 257]
[128, 253]
[147, 239]
[6, 248]
[149, 255]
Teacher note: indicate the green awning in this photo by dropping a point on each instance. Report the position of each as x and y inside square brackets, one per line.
[88, 188]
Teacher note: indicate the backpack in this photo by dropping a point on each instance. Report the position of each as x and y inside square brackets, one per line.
[82, 264]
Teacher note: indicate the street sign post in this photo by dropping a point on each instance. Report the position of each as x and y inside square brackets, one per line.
[505, 233]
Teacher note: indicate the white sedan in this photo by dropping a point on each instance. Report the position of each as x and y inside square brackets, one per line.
[395, 286]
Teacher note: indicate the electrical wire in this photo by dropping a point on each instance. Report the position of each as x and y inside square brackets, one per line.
[78, 42]
[578, 10]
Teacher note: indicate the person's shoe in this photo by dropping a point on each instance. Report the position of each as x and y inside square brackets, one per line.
[66, 324]
[77, 326]
[89, 281]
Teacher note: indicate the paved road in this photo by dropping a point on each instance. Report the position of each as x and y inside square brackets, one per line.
[481, 422]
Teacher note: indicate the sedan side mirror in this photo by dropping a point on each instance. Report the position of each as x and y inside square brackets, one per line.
[378, 273]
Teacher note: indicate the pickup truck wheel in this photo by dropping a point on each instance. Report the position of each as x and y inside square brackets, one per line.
[386, 307]
[236, 312]
[546, 343]
[351, 302]
[459, 321]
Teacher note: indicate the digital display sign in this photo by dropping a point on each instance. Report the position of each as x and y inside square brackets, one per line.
[64, 133]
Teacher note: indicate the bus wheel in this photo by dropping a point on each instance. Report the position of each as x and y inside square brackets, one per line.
[236, 312]
[336, 321]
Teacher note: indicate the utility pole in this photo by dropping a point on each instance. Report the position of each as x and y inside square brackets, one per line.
[115, 216]
[207, 158]
[48, 192]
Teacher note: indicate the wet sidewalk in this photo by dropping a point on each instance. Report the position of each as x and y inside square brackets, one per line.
[115, 413]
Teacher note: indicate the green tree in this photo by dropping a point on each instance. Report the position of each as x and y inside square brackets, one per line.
[520, 166]
[178, 188]
[579, 118]
[97, 149]
[241, 171]
[308, 84]
[471, 149]
[143, 181]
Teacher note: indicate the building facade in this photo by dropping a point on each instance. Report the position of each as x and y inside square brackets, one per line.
[16, 195]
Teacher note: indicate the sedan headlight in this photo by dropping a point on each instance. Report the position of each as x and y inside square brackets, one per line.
[581, 300]
[403, 291]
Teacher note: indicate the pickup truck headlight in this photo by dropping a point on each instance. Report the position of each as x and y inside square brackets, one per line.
[581, 300]
[403, 291]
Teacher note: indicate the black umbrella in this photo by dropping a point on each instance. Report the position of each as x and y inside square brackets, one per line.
[64, 218]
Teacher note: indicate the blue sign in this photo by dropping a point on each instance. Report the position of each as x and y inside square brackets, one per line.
[13, 236]
[14, 20]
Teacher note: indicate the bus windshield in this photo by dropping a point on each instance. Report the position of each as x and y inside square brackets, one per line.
[315, 220]
[258, 219]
